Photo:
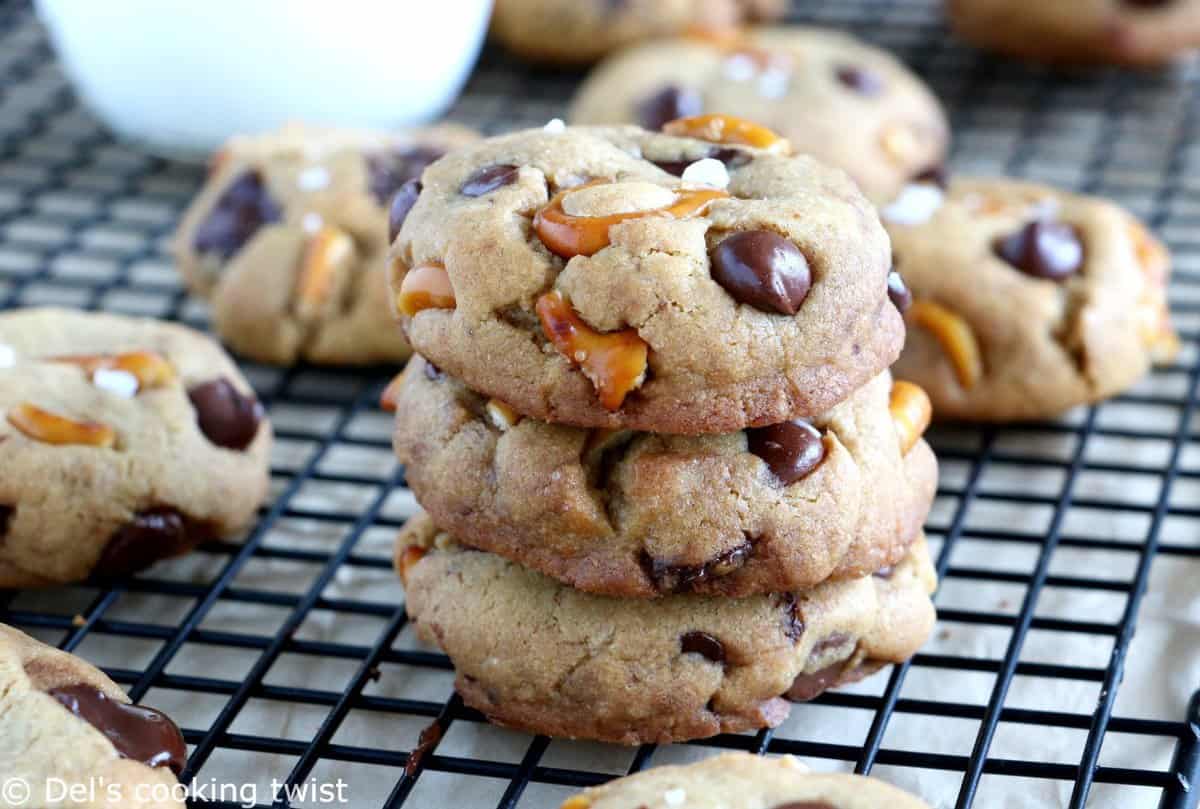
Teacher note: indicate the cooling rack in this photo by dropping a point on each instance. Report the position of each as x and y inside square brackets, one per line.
[288, 657]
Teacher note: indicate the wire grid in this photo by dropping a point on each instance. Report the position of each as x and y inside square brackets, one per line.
[84, 221]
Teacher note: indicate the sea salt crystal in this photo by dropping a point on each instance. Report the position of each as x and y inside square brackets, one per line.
[707, 172]
[313, 178]
[674, 797]
[915, 205]
[312, 222]
[739, 67]
[119, 383]
[554, 126]
[8, 357]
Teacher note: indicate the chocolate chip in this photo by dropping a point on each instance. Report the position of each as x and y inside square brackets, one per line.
[860, 80]
[137, 733]
[228, 418]
[488, 179]
[899, 292]
[703, 644]
[732, 158]
[402, 203]
[666, 105]
[934, 175]
[831, 642]
[432, 372]
[428, 740]
[791, 449]
[388, 171]
[670, 578]
[762, 269]
[159, 533]
[810, 686]
[1043, 249]
[793, 622]
[6, 513]
[242, 209]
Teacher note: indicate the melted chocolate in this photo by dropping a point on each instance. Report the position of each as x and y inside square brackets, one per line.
[387, 171]
[6, 513]
[669, 578]
[159, 533]
[488, 179]
[140, 734]
[703, 644]
[226, 417]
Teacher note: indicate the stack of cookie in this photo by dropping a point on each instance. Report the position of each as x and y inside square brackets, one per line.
[653, 390]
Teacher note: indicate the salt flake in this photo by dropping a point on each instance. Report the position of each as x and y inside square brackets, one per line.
[313, 178]
[555, 126]
[118, 383]
[708, 172]
[674, 797]
[915, 205]
[8, 357]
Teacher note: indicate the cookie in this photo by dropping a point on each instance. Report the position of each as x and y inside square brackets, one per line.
[581, 31]
[743, 781]
[642, 515]
[287, 236]
[538, 656]
[62, 722]
[1122, 32]
[123, 440]
[832, 96]
[571, 274]
[1027, 300]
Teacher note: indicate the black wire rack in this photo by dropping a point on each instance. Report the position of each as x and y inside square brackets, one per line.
[1054, 540]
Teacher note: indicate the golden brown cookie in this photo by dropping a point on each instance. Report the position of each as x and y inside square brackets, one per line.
[743, 781]
[533, 654]
[62, 722]
[287, 239]
[1123, 32]
[123, 441]
[1027, 300]
[581, 31]
[643, 515]
[571, 274]
[846, 103]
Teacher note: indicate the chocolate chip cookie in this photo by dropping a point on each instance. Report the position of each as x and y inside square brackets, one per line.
[840, 100]
[581, 31]
[637, 514]
[63, 721]
[287, 237]
[573, 275]
[123, 441]
[536, 655]
[1123, 32]
[1027, 300]
[743, 781]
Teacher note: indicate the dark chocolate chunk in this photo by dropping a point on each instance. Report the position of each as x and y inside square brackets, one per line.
[227, 417]
[810, 686]
[6, 513]
[488, 179]
[668, 104]
[1043, 249]
[762, 269]
[793, 624]
[791, 449]
[402, 203]
[831, 642]
[732, 158]
[159, 533]
[137, 733]
[860, 80]
[899, 292]
[703, 644]
[387, 171]
[934, 175]
[670, 578]
[242, 209]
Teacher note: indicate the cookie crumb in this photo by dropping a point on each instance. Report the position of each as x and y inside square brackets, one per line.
[78, 621]
[118, 383]
[555, 126]
[708, 172]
